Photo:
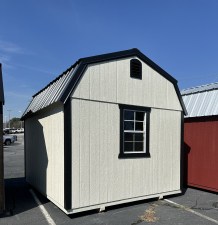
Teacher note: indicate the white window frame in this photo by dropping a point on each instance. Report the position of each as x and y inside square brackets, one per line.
[135, 131]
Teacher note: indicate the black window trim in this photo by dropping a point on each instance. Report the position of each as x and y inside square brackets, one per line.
[147, 111]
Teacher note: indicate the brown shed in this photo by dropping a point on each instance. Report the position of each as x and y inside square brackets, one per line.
[201, 136]
[2, 202]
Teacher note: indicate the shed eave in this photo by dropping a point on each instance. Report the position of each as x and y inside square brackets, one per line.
[84, 62]
[79, 67]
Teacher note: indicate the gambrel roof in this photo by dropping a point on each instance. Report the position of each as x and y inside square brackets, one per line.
[2, 99]
[201, 100]
[61, 88]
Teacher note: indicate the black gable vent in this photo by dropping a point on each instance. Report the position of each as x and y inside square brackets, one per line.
[135, 69]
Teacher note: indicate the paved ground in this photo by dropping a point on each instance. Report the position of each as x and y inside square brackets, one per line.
[196, 206]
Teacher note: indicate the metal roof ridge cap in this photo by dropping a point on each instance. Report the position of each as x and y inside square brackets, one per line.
[200, 86]
[201, 91]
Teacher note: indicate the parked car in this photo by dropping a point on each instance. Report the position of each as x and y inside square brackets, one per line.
[8, 139]
[20, 130]
[6, 130]
[13, 131]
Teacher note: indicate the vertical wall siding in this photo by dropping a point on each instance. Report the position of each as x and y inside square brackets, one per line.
[45, 153]
[201, 141]
[98, 176]
[111, 82]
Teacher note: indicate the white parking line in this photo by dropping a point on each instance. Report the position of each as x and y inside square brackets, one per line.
[192, 211]
[42, 209]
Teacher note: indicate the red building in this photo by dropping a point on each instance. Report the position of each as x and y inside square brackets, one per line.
[201, 136]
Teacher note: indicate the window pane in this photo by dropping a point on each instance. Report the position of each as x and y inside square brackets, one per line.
[128, 136]
[128, 115]
[128, 146]
[139, 146]
[128, 125]
[139, 137]
[140, 116]
[139, 126]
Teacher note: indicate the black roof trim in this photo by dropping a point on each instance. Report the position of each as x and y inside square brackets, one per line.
[84, 62]
[180, 99]
[125, 54]
[2, 98]
[67, 70]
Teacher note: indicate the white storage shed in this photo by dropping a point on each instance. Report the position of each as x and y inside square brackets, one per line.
[108, 130]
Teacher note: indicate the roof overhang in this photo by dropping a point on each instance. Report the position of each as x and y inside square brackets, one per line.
[80, 66]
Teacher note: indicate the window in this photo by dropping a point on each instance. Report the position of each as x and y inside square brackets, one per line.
[134, 131]
[135, 69]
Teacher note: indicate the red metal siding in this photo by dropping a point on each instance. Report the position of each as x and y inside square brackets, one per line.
[201, 147]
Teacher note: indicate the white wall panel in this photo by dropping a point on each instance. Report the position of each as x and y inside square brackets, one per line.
[44, 135]
[102, 176]
[111, 82]
[84, 154]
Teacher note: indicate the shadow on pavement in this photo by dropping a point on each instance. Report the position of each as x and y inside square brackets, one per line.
[17, 197]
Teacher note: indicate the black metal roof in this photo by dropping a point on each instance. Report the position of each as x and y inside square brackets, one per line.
[2, 99]
[62, 87]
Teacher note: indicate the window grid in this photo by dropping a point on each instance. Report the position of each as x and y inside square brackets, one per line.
[134, 131]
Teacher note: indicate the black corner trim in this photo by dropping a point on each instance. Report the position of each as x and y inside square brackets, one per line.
[27, 115]
[67, 156]
[146, 154]
[182, 155]
[25, 149]
[181, 100]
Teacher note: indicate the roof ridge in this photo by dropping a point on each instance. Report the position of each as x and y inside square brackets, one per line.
[203, 88]
[200, 86]
[70, 82]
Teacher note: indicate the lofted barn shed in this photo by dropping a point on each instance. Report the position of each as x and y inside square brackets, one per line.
[107, 131]
[201, 136]
[2, 191]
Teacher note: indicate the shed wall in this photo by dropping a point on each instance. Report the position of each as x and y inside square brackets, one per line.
[44, 152]
[201, 144]
[110, 81]
[99, 177]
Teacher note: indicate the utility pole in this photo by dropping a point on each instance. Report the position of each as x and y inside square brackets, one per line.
[5, 122]
[21, 126]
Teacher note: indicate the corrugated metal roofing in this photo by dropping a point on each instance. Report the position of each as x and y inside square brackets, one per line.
[61, 88]
[51, 93]
[201, 100]
[202, 88]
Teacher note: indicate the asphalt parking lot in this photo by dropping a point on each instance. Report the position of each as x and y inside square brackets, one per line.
[194, 207]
